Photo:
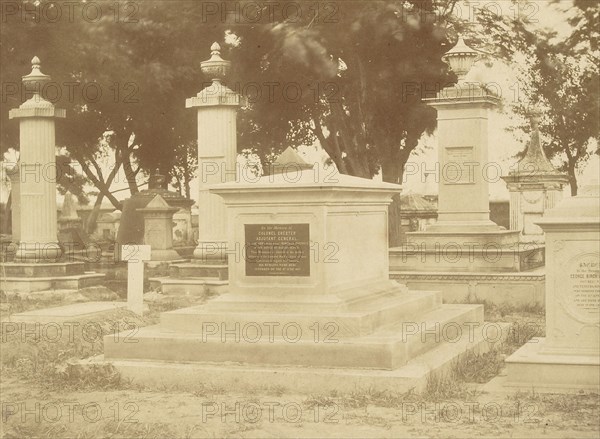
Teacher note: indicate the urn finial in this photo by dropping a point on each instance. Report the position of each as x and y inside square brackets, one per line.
[36, 78]
[461, 58]
[216, 68]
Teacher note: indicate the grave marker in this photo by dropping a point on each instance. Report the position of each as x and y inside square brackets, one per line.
[135, 255]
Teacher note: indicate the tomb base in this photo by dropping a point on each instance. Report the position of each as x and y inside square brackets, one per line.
[531, 367]
[30, 277]
[192, 278]
[465, 254]
[414, 375]
[517, 289]
[390, 339]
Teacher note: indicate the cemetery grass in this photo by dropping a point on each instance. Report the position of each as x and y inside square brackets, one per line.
[39, 372]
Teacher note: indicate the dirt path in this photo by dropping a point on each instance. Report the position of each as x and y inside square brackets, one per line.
[29, 411]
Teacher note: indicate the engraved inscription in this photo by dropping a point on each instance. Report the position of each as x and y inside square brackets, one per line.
[583, 287]
[277, 250]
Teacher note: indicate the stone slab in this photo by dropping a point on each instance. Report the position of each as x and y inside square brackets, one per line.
[351, 322]
[305, 380]
[18, 269]
[189, 286]
[182, 270]
[68, 313]
[523, 288]
[501, 385]
[457, 256]
[530, 367]
[28, 285]
[388, 348]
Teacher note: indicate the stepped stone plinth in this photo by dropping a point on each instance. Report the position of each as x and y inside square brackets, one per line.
[309, 299]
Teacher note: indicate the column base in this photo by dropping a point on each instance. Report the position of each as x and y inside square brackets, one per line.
[165, 255]
[38, 252]
[213, 251]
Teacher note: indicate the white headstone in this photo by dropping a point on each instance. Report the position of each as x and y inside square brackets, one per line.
[135, 255]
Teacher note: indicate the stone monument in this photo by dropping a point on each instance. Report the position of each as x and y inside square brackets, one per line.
[131, 223]
[158, 229]
[309, 304]
[569, 356]
[37, 195]
[535, 186]
[216, 107]
[464, 253]
[38, 265]
[217, 154]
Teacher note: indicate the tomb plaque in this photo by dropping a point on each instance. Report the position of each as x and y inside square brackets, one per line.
[277, 249]
[460, 166]
[584, 287]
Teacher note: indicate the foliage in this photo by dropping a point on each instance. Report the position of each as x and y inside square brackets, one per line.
[558, 76]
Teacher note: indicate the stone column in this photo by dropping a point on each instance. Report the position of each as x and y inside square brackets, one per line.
[217, 154]
[462, 115]
[535, 186]
[15, 203]
[158, 229]
[37, 224]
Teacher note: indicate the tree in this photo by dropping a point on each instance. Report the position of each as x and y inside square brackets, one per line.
[350, 75]
[558, 76]
[184, 167]
[122, 80]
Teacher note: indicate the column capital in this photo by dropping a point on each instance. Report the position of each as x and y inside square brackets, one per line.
[464, 93]
[33, 111]
[36, 106]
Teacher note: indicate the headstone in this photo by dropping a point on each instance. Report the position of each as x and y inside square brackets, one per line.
[569, 356]
[158, 229]
[135, 255]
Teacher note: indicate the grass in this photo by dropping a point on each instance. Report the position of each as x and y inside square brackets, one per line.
[30, 353]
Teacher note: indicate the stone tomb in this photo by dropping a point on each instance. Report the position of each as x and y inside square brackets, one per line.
[310, 304]
[569, 356]
[464, 253]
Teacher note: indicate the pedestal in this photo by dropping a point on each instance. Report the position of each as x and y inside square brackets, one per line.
[464, 238]
[569, 356]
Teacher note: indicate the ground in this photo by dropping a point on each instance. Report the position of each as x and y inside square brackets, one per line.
[43, 397]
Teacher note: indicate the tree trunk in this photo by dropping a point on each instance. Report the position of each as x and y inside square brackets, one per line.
[572, 177]
[90, 224]
[129, 173]
[392, 173]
